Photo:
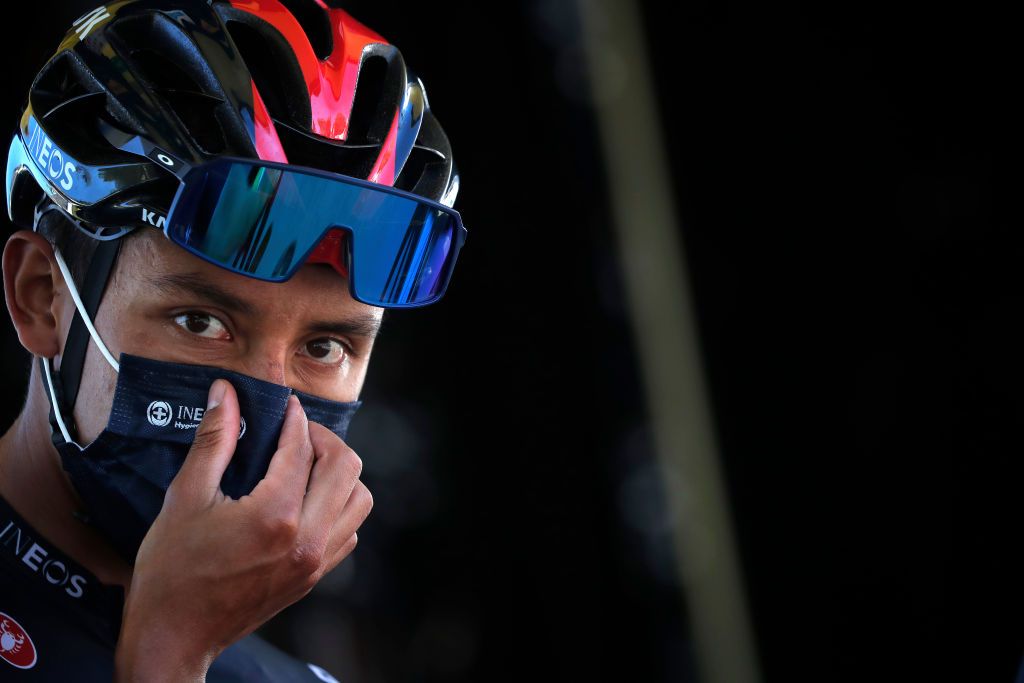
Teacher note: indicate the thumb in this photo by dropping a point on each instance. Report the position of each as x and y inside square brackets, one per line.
[214, 444]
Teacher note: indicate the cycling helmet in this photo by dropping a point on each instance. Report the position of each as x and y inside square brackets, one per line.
[292, 81]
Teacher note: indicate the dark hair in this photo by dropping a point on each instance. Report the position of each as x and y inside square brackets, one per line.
[76, 247]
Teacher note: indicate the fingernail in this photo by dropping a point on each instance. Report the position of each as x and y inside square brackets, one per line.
[216, 395]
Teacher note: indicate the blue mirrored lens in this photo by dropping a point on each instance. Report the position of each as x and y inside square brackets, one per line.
[263, 221]
[406, 259]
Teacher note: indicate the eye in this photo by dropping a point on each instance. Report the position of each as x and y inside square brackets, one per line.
[327, 351]
[202, 325]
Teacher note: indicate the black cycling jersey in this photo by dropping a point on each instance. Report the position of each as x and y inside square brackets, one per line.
[59, 623]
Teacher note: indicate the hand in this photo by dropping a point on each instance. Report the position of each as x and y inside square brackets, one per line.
[212, 569]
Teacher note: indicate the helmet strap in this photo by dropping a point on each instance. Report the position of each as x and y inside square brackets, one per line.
[64, 384]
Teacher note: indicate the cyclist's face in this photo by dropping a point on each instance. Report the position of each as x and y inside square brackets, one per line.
[164, 303]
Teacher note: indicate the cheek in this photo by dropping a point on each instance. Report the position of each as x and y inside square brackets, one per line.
[139, 340]
[95, 396]
[99, 379]
[354, 379]
[127, 329]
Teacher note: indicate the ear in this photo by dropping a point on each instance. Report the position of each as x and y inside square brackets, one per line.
[31, 279]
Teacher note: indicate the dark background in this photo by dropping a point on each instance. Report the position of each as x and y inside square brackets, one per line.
[845, 181]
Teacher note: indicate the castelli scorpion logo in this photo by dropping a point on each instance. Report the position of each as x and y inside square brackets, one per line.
[10, 641]
[16, 648]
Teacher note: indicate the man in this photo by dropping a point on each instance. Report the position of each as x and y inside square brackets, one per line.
[219, 201]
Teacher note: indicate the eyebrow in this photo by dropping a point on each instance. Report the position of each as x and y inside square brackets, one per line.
[360, 324]
[197, 286]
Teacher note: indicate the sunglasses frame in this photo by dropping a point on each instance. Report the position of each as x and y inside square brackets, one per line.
[352, 262]
[96, 217]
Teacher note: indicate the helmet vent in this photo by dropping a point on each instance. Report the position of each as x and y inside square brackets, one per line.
[68, 101]
[167, 61]
[161, 72]
[315, 23]
[273, 67]
[306, 149]
[201, 116]
[364, 125]
[163, 54]
[62, 81]
[415, 166]
[196, 110]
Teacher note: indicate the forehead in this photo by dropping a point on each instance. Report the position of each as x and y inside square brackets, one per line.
[148, 260]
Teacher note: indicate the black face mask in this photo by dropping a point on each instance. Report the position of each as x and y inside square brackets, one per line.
[123, 474]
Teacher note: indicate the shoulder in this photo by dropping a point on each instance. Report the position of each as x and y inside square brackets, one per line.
[254, 659]
[46, 636]
[39, 641]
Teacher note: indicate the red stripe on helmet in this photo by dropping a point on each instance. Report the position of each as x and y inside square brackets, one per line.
[268, 144]
[331, 82]
[332, 106]
[275, 14]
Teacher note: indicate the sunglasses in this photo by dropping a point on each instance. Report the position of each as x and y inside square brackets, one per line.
[264, 219]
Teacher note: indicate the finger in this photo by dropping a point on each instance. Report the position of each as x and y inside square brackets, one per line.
[336, 556]
[289, 468]
[343, 535]
[213, 445]
[336, 469]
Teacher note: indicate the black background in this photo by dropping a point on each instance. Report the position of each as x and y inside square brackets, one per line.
[845, 180]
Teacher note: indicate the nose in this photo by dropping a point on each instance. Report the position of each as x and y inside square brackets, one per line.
[274, 371]
[267, 361]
